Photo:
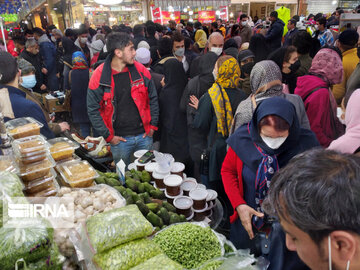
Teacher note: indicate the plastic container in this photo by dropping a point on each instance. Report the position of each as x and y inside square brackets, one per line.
[131, 166]
[199, 198]
[212, 196]
[159, 176]
[187, 186]
[178, 168]
[8, 164]
[191, 216]
[183, 205]
[30, 149]
[33, 171]
[139, 153]
[201, 186]
[200, 215]
[150, 168]
[40, 184]
[23, 127]
[172, 183]
[170, 199]
[62, 148]
[140, 166]
[77, 174]
[49, 192]
[74, 157]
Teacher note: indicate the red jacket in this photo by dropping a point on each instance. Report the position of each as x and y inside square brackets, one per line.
[101, 110]
[231, 174]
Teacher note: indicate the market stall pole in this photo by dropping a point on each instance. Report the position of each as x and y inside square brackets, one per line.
[2, 32]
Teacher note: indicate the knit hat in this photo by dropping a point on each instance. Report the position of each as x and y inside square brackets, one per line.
[349, 37]
[97, 45]
[25, 67]
[143, 44]
[143, 56]
[245, 54]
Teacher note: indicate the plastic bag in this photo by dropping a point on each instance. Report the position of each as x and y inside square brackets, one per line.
[128, 255]
[159, 262]
[115, 227]
[10, 186]
[190, 244]
[30, 243]
[164, 161]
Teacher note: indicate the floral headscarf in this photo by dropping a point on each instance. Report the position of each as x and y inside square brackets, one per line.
[228, 77]
[79, 61]
[328, 66]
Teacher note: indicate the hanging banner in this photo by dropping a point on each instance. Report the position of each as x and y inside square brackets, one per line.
[177, 16]
[206, 16]
[224, 15]
[156, 15]
[167, 16]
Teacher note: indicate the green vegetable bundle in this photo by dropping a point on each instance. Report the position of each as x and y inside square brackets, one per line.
[53, 262]
[31, 242]
[212, 265]
[115, 227]
[189, 244]
[159, 262]
[10, 186]
[126, 256]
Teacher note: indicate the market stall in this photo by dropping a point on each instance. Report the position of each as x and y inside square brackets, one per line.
[150, 217]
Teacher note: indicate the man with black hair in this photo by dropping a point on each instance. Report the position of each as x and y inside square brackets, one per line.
[291, 26]
[139, 34]
[28, 34]
[151, 39]
[190, 28]
[81, 42]
[13, 101]
[274, 35]
[178, 49]
[302, 41]
[172, 25]
[48, 54]
[122, 100]
[165, 52]
[323, 34]
[245, 29]
[316, 198]
[347, 43]
[19, 43]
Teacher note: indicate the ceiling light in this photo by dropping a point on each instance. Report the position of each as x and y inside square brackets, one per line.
[191, 12]
[217, 12]
[108, 2]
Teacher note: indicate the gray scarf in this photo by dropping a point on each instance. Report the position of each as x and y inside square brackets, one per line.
[265, 82]
[43, 38]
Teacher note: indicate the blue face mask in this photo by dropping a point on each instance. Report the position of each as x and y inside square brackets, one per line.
[28, 81]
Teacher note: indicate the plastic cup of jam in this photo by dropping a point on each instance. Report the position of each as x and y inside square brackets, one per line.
[199, 198]
[170, 199]
[150, 168]
[200, 215]
[172, 183]
[178, 169]
[158, 177]
[187, 186]
[183, 205]
[140, 166]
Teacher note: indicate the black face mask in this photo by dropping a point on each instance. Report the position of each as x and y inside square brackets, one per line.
[294, 67]
[246, 69]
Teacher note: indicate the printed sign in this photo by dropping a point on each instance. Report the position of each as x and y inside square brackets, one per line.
[206, 16]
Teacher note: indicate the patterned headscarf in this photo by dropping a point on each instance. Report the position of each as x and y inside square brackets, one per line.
[265, 82]
[79, 61]
[228, 77]
[328, 66]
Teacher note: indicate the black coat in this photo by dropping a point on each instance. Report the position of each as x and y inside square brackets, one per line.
[69, 48]
[152, 41]
[35, 60]
[79, 87]
[274, 35]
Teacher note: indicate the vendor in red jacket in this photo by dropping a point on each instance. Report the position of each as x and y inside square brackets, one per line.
[257, 151]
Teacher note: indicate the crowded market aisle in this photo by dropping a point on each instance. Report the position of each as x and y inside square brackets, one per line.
[228, 145]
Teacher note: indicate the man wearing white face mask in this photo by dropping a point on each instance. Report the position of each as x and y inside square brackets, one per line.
[216, 43]
[245, 29]
[318, 208]
[81, 43]
[258, 150]
[179, 49]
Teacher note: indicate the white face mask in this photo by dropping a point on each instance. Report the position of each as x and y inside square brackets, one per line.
[53, 39]
[218, 51]
[83, 40]
[273, 143]
[330, 263]
[244, 23]
[316, 27]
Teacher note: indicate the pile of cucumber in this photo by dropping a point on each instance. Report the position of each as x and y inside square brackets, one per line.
[149, 199]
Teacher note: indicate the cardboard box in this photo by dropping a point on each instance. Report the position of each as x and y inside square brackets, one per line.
[52, 104]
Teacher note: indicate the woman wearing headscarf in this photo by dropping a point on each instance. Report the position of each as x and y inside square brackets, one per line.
[79, 81]
[257, 150]
[287, 60]
[349, 143]
[172, 120]
[215, 114]
[266, 82]
[314, 89]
